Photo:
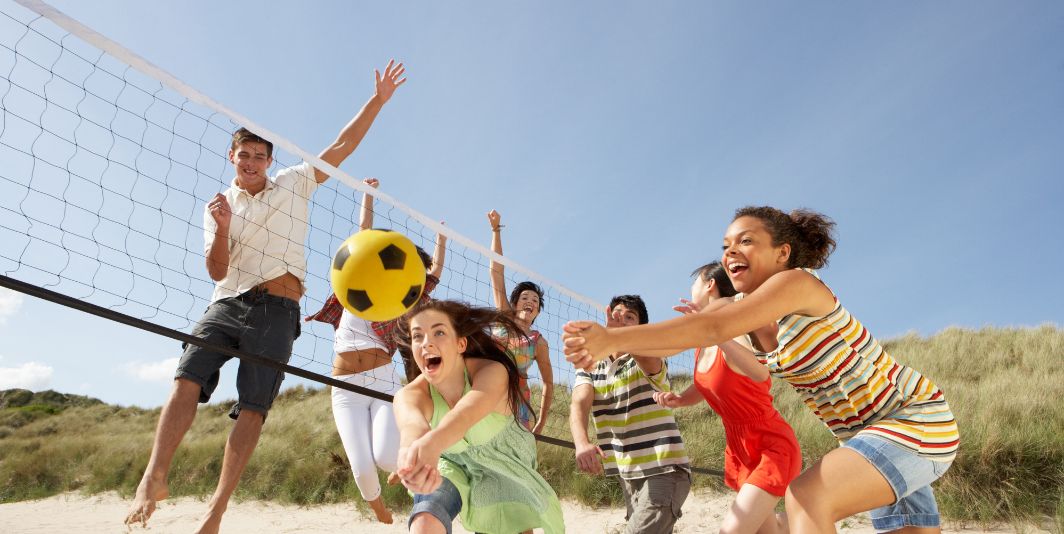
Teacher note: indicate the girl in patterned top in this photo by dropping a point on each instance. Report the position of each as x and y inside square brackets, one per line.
[897, 431]
[523, 306]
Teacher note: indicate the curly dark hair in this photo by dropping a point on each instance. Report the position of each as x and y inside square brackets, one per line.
[475, 323]
[811, 235]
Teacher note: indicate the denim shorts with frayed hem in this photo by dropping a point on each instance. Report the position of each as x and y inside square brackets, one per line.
[444, 504]
[909, 475]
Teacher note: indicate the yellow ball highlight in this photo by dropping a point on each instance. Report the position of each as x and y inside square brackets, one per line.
[377, 274]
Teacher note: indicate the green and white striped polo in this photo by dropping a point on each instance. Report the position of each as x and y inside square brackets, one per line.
[638, 436]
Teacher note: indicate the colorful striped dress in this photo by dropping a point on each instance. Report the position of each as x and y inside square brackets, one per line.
[846, 378]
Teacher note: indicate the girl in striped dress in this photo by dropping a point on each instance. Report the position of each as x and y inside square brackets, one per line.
[897, 431]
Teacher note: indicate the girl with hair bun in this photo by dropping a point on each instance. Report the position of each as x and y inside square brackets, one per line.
[896, 431]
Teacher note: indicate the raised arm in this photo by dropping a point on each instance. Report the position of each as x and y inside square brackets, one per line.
[498, 276]
[353, 133]
[588, 456]
[439, 255]
[546, 372]
[365, 219]
[787, 292]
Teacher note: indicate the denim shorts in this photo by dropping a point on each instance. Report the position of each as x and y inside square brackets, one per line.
[255, 322]
[909, 475]
[444, 504]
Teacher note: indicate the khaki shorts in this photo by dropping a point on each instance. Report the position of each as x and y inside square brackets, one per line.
[654, 502]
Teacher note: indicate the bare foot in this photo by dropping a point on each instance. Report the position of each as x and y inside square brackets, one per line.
[150, 491]
[383, 514]
[212, 521]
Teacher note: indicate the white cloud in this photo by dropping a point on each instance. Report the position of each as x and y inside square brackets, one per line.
[32, 376]
[10, 302]
[160, 371]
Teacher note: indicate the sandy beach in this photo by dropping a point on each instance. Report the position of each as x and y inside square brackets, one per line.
[103, 513]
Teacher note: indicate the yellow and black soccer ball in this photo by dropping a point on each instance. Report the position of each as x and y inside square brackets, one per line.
[377, 274]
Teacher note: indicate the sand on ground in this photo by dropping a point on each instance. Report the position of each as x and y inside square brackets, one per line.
[103, 513]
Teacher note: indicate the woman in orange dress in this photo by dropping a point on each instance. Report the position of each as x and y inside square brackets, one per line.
[762, 454]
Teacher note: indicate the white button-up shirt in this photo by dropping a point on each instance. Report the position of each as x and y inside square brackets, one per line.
[267, 231]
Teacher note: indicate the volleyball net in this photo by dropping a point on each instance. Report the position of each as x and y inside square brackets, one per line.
[108, 162]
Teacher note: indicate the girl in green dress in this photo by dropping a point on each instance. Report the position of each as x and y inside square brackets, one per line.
[462, 451]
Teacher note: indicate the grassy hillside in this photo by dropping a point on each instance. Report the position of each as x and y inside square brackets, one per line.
[1003, 385]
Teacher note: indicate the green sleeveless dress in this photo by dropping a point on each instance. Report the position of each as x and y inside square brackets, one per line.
[494, 468]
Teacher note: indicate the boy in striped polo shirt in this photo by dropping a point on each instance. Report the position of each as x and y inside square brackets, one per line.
[638, 438]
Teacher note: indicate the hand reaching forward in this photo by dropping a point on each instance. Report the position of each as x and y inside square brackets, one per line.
[667, 399]
[586, 342]
[417, 467]
[687, 307]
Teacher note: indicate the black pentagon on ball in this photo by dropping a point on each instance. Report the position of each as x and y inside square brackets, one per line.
[359, 299]
[411, 296]
[341, 257]
[392, 258]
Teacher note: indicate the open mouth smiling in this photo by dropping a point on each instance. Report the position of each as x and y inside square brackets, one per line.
[736, 267]
[433, 362]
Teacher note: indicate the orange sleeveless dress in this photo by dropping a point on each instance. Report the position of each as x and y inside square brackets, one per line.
[761, 447]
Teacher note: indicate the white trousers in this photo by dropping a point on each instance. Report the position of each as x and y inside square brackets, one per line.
[368, 431]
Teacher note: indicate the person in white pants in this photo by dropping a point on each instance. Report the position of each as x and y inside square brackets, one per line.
[366, 425]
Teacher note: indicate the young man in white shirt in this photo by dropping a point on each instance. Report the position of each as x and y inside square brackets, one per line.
[254, 233]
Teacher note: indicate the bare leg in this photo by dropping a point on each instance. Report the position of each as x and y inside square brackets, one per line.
[752, 511]
[174, 421]
[426, 523]
[781, 526]
[381, 511]
[839, 485]
[238, 448]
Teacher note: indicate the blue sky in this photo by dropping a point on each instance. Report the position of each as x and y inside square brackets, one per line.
[617, 138]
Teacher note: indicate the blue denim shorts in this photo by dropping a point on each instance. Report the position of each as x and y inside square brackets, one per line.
[909, 475]
[444, 504]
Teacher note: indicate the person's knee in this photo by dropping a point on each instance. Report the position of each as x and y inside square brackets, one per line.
[800, 499]
[253, 417]
[426, 523]
[185, 389]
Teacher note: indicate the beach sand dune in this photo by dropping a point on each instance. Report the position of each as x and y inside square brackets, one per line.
[103, 514]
